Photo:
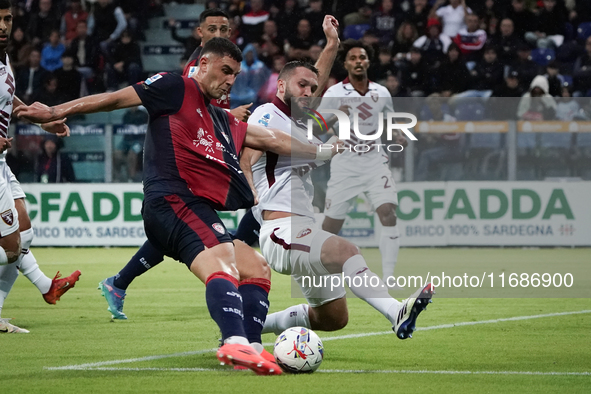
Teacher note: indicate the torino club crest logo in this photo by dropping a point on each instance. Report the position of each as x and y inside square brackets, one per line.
[359, 142]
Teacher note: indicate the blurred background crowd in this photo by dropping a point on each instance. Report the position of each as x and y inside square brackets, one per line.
[64, 49]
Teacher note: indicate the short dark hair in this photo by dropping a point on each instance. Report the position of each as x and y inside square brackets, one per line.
[5, 4]
[291, 66]
[349, 44]
[221, 47]
[212, 12]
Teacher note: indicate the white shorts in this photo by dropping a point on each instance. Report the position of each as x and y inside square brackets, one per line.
[15, 187]
[292, 246]
[8, 213]
[343, 189]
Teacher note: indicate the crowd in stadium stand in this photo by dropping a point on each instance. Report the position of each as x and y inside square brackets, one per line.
[62, 49]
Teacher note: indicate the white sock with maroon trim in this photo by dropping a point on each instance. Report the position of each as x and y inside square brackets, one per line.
[294, 316]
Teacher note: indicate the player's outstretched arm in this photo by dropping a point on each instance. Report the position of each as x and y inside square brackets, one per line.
[58, 127]
[104, 102]
[248, 157]
[283, 144]
[324, 63]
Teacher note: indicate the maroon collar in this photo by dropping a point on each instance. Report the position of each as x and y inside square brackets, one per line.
[282, 106]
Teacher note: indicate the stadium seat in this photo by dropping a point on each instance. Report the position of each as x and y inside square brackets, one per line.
[469, 111]
[527, 154]
[543, 56]
[355, 31]
[485, 156]
[555, 155]
[582, 167]
[584, 31]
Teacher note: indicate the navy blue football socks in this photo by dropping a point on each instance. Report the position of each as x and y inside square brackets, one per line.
[225, 304]
[255, 295]
[146, 257]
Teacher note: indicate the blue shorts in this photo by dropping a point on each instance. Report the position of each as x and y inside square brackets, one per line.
[182, 227]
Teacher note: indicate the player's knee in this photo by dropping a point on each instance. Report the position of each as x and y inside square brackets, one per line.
[333, 322]
[263, 267]
[387, 214]
[12, 247]
[348, 250]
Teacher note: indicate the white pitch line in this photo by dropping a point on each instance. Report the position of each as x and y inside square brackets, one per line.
[348, 336]
[357, 371]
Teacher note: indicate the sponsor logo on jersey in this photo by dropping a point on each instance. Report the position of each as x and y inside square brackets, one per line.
[153, 79]
[219, 228]
[8, 217]
[2, 71]
[264, 120]
[303, 233]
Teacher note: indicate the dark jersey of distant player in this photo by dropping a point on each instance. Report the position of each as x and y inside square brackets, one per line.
[191, 147]
[192, 65]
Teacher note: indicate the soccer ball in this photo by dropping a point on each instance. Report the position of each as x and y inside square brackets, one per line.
[298, 350]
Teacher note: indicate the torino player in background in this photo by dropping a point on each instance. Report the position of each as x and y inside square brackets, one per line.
[353, 173]
[16, 233]
[290, 239]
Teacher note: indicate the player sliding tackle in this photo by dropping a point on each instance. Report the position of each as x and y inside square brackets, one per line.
[290, 239]
[191, 169]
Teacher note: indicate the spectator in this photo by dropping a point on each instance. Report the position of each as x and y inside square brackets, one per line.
[385, 20]
[525, 67]
[69, 79]
[106, 23]
[190, 43]
[418, 15]
[537, 104]
[567, 108]
[489, 16]
[269, 89]
[70, 20]
[252, 77]
[510, 88]
[128, 154]
[471, 39]
[415, 74]
[452, 16]
[289, 16]
[19, 48]
[499, 106]
[580, 12]
[582, 72]
[299, 45]
[488, 73]
[405, 38]
[452, 75]
[392, 83]
[272, 44]
[315, 51]
[523, 19]
[52, 166]
[549, 31]
[434, 45]
[29, 79]
[135, 15]
[51, 55]
[84, 49]
[42, 23]
[555, 79]
[361, 17]
[127, 63]
[49, 94]
[380, 69]
[506, 42]
[315, 16]
[253, 22]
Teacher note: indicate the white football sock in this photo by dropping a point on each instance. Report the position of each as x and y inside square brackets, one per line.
[28, 266]
[236, 339]
[27, 238]
[294, 316]
[8, 274]
[370, 287]
[389, 247]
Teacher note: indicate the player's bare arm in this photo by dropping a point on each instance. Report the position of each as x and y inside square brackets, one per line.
[104, 102]
[247, 159]
[58, 127]
[281, 143]
[325, 61]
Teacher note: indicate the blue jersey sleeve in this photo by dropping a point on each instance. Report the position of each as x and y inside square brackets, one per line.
[161, 94]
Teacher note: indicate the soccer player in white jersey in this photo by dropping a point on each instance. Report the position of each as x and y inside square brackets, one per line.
[355, 172]
[16, 233]
[291, 241]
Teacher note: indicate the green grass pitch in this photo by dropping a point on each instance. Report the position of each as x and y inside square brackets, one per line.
[166, 345]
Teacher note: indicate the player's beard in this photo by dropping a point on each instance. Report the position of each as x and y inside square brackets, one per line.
[296, 106]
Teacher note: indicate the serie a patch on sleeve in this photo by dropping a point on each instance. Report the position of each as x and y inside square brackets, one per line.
[264, 120]
[153, 79]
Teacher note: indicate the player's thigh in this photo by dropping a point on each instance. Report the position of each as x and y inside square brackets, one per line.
[184, 227]
[250, 263]
[340, 195]
[9, 223]
[381, 189]
[220, 258]
[335, 252]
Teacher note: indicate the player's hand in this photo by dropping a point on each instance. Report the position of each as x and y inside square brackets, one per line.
[330, 26]
[242, 112]
[401, 140]
[5, 143]
[57, 127]
[337, 145]
[35, 113]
